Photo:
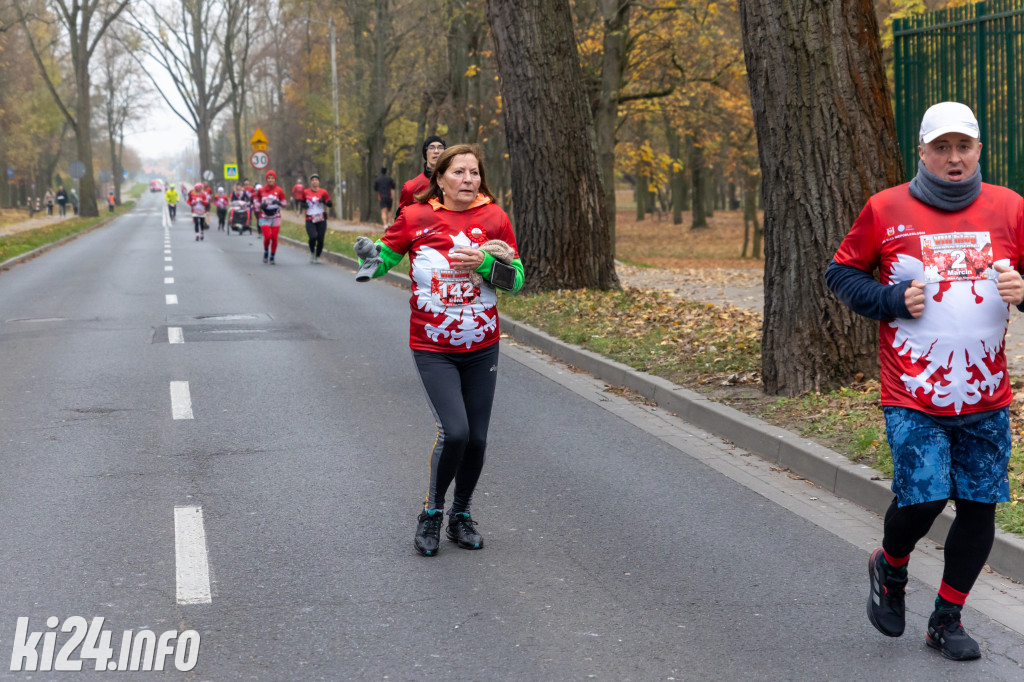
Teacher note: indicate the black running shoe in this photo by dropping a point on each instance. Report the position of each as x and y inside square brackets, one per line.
[460, 531]
[886, 609]
[428, 532]
[946, 634]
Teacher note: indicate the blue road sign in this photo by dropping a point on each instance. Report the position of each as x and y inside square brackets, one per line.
[10, 172]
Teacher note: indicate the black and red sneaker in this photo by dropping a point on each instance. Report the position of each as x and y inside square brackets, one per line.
[946, 634]
[886, 601]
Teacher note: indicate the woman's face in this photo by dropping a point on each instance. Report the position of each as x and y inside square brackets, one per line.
[460, 181]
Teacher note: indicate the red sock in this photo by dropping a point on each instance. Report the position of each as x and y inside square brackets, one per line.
[893, 561]
[952, 595]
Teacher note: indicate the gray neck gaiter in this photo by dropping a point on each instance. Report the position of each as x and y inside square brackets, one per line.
[945, 194]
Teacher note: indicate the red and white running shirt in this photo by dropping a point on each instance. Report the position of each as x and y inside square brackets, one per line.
[951, 360]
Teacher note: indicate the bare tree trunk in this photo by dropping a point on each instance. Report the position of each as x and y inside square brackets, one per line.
[557, 191]
[615, 14]
[698, 183]
[827, 141]
[677, 183]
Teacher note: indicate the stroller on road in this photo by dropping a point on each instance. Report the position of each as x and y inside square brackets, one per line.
[238, 217]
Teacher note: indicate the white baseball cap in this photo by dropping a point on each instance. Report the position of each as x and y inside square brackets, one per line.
[948, 117]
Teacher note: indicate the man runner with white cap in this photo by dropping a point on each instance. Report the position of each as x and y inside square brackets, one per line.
[949, 249]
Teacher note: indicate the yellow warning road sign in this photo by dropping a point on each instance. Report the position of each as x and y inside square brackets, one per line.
[258, 141]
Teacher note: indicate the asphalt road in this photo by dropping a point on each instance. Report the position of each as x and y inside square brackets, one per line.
[268, 504]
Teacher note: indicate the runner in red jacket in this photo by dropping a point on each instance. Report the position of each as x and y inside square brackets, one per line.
[317, 201]
[271, 200]
[299, 195]
[432, 148]
[199, 203]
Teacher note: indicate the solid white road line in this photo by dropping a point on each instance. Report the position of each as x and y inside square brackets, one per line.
[192, 566]
[175, 335]
[172, 299]
[181, 400]
[168, 280]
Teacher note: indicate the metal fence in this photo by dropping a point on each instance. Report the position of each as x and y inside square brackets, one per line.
[972, 54]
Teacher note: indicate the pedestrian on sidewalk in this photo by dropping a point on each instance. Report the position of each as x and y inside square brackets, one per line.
[62, 200]
[49, 198]
[73, 195]
[384, 186]
[454, 325]
[949, 249]
[111, 201]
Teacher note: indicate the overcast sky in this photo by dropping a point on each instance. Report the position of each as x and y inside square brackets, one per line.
[160, 133]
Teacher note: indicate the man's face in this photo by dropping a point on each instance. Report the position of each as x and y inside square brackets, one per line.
[271, 180]
[434, 150]
[953, 157]
[315, 183]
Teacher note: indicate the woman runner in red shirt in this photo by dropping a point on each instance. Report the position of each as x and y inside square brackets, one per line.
[460, 246]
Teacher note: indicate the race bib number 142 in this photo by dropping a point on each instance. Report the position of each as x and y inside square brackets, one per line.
[451, 288]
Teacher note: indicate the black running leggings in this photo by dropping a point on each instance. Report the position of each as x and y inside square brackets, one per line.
[460, 391]
[316, 233]
[968, 542]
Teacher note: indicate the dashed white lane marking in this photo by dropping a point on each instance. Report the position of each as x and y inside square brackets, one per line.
[175, 335]
[191, 562]
[167, 251]
[168, 280]
[181, 400]
[168, 268]
[168, 259]
[172, 299]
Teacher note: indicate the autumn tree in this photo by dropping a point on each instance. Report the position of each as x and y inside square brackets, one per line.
[557, 193]
[84, 22]
[33, 132]
[827, 141]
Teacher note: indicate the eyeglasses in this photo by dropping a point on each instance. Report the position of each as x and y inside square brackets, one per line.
[435, 148]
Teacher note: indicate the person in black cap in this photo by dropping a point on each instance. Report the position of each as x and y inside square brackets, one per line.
[432, 148]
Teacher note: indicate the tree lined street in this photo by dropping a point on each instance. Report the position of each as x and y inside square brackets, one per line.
[616, 548]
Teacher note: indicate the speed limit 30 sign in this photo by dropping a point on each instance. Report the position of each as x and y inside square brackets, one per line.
[259, 160]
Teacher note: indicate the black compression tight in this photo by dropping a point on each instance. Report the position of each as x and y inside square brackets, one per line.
[460, 390]
[316, 233]
[968, 542]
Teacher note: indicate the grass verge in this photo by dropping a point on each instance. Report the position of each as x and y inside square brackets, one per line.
[16, 244]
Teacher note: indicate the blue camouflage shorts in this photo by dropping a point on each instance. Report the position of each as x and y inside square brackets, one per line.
[948, 457]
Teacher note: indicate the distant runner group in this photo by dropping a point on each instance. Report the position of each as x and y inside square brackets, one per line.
[262, 204]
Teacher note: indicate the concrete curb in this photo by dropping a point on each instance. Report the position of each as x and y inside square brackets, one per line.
[29, 255]
[828, 469]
